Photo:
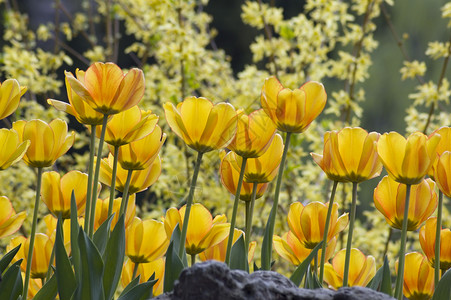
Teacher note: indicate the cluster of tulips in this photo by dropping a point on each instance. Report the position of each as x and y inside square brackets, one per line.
[97, 234]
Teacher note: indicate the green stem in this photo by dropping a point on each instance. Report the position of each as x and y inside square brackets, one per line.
[326, 232]
[125, 194]
[189, 202]
[351, 229]
[52, 256]
[92, 150]
[437, 239]
[96, 177]
[235, 210]
[249, 216]
[113, 181]
[402, 251]
[33, 231]
[266, 265]
[193, 259]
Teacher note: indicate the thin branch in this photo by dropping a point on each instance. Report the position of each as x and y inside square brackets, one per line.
[268, 34]
[74, 53]
[57, 27]
[60, 6]
[109, 31]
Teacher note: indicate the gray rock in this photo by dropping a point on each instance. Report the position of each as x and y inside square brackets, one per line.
[213, 280]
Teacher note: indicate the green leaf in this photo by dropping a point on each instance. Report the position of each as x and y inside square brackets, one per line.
[173, 267]
[175, 237]
[114, 258]
[382, 280]
[64, 274]
[238, 257]
[74, 229]
[266, 246]
[131, 285]
[7, 258]
[443, 289]
[312, 281]
[142, 291]
[11, 285]
[102, 233]
[302, 269]
[49, 290]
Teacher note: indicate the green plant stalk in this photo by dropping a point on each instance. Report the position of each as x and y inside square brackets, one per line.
[189, 202]
[96, 177]
[326, 232]
[193, 259]
[113, 181]
[52, 256]
[234, 211]
[33, 230]
[249, 216]
[92, 150]
[272, 220]
[437, 239]
[135, 270]
[349, 240]
[402, 250]
[125, 194]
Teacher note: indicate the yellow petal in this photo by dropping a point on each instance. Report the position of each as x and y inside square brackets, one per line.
[10, 93]
[268, 98]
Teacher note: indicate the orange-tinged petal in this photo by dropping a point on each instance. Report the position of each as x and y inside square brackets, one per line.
[216, 235]
[284, 250]
[10, 93]
[391, 148]
[268, 98]
[174, 120]
[294, 219]
[171, 220]
[130, 92]
[442, 173]
[12, 224]
[290, 109]
[316, 98]
[331, 276]
[311, 218]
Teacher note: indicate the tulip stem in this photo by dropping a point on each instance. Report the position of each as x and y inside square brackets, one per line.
[402, 251]
[92, 150]
[125, 194]
[135, 270]
[437, 239]
[96, 177]
[326, 232]
[351, 229]
[235, 210]
[249, 216]
[266, 264]
[193, 259]
[33, 231]
[113, 181]
[189, 202]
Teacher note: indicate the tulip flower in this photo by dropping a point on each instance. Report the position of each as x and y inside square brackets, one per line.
[102, 211]
[41, 259]
[389, 198]
[442, 174]
[10, 93]
[292, 110]
[427, 242]
[11, 149]
[51, 222]
[363, 269]
[13, 243]
[10, 222]
[418, 277]
[145, 271]
[308, 222]
[443, 145]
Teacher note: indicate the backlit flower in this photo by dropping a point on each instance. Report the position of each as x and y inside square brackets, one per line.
[43, 246]
[407, 160]
[349, 155]
[361, 269]
[102, 211]
[10, 222]
[51, 222]
[145, 270]
[11, 148]
[47, 141]
[390, 197]
[202, 125]
[292, 110]
[10, 93]
[107, 89]
[442, 174]
[418, 277]
[427, 241]
[13, 243]
[443, 145]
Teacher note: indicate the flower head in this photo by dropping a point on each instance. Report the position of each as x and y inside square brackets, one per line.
[43, 246]
[10, 93]
[102, 211]
[443, 145]
[427, 242]
[442, 173]
[11, 148]
[418, 277]
[145, 270]
[10, 222]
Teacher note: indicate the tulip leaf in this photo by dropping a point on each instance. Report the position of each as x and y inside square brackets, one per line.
[238, 258]
[49, 290]
[102, 233]
[11, 285]
[114, 258]
[443, 289]
[382, 280]
[175, 237]
[141, 291]
[74, 229]
[302, 269]
[173, 266]
[64, 274]
[91, 270]
[312, 280]
[7, 258]
[131, 285]
[266, 246]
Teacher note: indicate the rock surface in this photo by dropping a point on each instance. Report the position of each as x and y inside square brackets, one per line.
[213, 280]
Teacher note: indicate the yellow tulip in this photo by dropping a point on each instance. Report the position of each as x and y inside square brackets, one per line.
[418, 277]
[43, 246]
[146, 240]
[427, 241]
[292, 110]
[389, 199]
[442, 174]
[11, 149]
[48, 141]
[76, 107]
[140, 154]
[10, 222]
[102, 211]
[107, 89]
[361, 269]
[51, 223]
[34, 287]
[230, 176]
[141, 179]
[308, 222]
[202, 125]
[13, 243]
[407, 160]
[203, 231]
[443, 145]
[10, 93]
[349, 155]
[145, 271]
[264, 168]
[254, 134]
[291, 249]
